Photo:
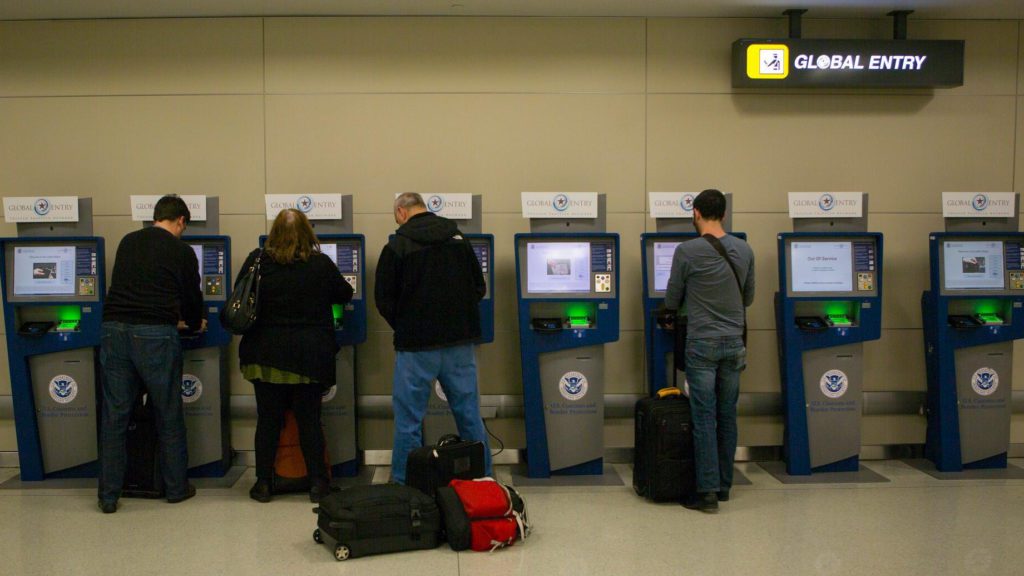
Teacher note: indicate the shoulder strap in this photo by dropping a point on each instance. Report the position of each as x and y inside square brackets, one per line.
[721, 250]
[717, 244]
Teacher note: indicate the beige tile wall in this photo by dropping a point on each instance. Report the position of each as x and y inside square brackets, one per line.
[240, 107]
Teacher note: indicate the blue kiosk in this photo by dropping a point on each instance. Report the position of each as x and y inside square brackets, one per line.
[828, 304]
[53, 289]
[348, 251]
[438, 420]
[972, 313]
[568, 302]
[675, 225]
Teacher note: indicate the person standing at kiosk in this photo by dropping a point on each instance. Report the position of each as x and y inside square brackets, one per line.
[154, 288]
[289, 354]
[429, 284]
[714, 276]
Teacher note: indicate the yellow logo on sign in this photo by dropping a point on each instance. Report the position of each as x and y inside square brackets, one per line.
[767, 61]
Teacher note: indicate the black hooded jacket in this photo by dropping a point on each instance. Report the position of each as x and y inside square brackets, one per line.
[429, 285]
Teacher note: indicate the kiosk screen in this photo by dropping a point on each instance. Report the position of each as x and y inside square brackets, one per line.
[198, 249]
[973, 265]
[44, 270]
[558, 267]
[344, 256]
[663, 252]
[481, 249]
[821, 266]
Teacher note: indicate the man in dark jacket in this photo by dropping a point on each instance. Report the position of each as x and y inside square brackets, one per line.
[429, 285]
[154, 290]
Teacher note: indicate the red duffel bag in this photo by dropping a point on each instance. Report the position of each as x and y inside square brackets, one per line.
[495, 515]
[493, 533]
[483, 498]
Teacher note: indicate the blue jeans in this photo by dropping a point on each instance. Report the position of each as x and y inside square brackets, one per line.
[455, 368]
[132, 356]
[713, 367]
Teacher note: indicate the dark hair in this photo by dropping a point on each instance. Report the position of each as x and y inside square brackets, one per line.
[171, 207]
[711, 204]
[291, 238]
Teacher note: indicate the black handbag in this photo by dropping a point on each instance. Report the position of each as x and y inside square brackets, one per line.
[239, 312]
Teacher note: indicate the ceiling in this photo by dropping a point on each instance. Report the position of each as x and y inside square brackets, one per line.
[943, 9]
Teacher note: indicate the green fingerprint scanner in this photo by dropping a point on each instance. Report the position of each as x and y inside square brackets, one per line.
[67, 326]
[989, 319]
[840, 320]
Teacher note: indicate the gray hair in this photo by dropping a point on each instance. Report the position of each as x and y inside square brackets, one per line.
[409, 200]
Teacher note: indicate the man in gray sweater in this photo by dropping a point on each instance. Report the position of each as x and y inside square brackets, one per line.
[716, 290]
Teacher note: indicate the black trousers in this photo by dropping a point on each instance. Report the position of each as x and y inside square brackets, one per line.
[272, 400]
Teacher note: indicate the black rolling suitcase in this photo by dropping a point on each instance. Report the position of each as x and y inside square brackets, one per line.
[143, 477]
[663, 461]
[377, 519]
[431, 467]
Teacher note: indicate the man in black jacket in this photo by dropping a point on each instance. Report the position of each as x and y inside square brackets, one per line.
[154, 289]
[429, 285]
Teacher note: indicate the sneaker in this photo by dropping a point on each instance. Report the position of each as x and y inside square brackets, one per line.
[108, 507]
[704, 501]
[723, 495]
[262, 490]
[190, 491]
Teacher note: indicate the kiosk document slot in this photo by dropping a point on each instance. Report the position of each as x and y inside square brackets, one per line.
[53, 291]
[658, 249]
[347, 251]
[972, 314]
[439, 420]
[828, 304]
[568, 309]
[205, 388]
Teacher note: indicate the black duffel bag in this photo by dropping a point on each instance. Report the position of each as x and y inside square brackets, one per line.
[430, 467]
[377, 519]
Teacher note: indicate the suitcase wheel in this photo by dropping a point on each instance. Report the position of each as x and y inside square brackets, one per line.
[317, 537]
[341, 552]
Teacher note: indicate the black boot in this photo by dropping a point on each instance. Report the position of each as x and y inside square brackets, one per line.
[320, 488]
[262, 490]
[703, 501]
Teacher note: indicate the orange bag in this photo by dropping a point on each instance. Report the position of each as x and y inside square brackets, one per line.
[290, 473]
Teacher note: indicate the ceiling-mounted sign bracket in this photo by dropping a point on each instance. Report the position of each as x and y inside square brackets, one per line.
[899, 23]
[795, 15]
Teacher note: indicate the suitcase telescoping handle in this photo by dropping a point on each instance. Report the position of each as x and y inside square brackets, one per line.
[668, 392]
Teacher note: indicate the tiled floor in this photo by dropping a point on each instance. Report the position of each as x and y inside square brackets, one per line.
[912, 525]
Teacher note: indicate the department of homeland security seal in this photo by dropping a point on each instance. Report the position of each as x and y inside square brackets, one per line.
[985, 381]
[63, 389]
[834, 383]
[573, 385]
[191, 388]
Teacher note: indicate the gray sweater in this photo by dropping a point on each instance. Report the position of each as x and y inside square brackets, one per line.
[703, 280]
